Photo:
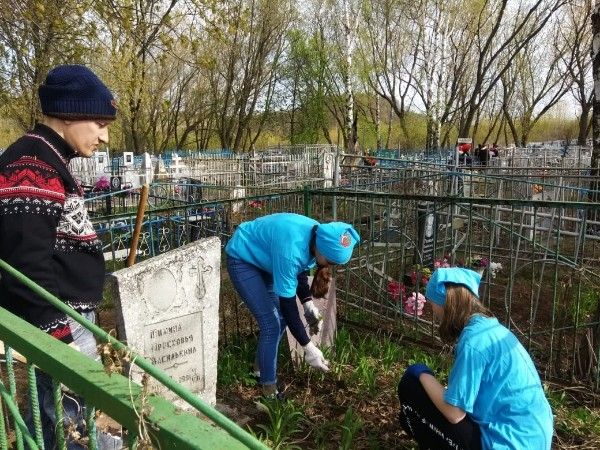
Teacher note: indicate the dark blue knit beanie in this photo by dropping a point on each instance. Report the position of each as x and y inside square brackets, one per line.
[75, 92]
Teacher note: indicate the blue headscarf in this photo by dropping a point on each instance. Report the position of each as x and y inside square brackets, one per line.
[436, 286]
[335, 241]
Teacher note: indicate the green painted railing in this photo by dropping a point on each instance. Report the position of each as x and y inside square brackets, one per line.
[113, 394]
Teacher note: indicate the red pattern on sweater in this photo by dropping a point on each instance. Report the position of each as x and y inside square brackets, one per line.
[62, 333]
[31, 180]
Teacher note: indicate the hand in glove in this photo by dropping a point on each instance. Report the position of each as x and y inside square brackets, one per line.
[313, 317]
[314, 357]
[416, 370]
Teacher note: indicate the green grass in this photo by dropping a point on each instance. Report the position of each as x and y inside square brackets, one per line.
[355, 405]
[234, 363]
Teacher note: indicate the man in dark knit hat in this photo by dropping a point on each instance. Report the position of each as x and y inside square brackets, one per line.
[45, 230]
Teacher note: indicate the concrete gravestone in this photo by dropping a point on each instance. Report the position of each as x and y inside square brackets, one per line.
[168, 311]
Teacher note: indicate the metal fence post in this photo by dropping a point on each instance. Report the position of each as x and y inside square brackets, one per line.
[307, 195]
[336, 174]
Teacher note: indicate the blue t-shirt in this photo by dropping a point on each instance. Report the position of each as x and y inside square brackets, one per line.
[278, 244]
[494, 380]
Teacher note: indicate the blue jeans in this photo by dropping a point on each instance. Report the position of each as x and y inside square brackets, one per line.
[73, 406]
[255, 286]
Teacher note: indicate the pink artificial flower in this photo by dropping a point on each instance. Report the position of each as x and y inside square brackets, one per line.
[414, 304]
[102, 184]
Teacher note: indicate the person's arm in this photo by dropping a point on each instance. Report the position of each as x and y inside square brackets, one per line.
[312, 355]
[27, 239]
[289, 311]
[303, 289]
[435, 391]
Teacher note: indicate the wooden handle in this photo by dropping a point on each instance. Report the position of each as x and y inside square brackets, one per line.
[138, 226]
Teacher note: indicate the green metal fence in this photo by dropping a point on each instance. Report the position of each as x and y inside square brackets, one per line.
[150, 420]
[546, 291]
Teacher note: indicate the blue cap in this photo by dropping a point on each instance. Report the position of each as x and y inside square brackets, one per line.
[336, 240]
[436, 288]
[74, 92]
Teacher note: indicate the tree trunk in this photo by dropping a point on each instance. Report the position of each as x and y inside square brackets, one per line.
[584, 123]
[595, 132]
[350, 34]
[596, 102]
[511, 125]
[377, 121]
[389, 129]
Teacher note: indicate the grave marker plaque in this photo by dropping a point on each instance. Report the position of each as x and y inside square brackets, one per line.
[427, 234]
[168, 311]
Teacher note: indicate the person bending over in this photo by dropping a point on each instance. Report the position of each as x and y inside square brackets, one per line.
[267, 260]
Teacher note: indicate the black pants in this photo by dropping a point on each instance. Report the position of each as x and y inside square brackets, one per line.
[427, 425]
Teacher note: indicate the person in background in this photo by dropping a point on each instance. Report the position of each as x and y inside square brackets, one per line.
[494, 150]
[482, 154]
[464, 157]
[45, 232]
[494, 397]
[369, 160]
[267, 260]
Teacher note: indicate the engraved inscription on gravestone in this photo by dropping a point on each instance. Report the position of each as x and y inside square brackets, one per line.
[172, 344]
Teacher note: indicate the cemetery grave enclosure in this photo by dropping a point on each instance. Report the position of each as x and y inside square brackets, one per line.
[537, 225]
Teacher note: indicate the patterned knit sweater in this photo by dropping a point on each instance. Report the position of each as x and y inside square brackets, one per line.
[45, 232]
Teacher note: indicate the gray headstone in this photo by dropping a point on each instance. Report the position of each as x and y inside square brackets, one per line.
[168, 311]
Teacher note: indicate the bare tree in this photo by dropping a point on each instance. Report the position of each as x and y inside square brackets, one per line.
[443, 63]
[35, 36]
[536, 82]
[388, 53]
[351, 21]
[136, 34]
[335, 22]
[246, 61]
[596, 76]
[500, 35]
[576, 33]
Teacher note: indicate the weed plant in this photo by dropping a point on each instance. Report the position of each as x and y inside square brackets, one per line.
[350, 426]
[284, 423]
[232, 368]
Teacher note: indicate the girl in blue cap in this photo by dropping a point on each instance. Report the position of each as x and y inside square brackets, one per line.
[494, 397]
[267, 260]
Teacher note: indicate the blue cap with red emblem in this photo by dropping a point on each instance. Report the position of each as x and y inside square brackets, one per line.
[336, 240]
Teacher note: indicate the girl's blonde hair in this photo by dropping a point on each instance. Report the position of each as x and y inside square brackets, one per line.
[460, 305]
